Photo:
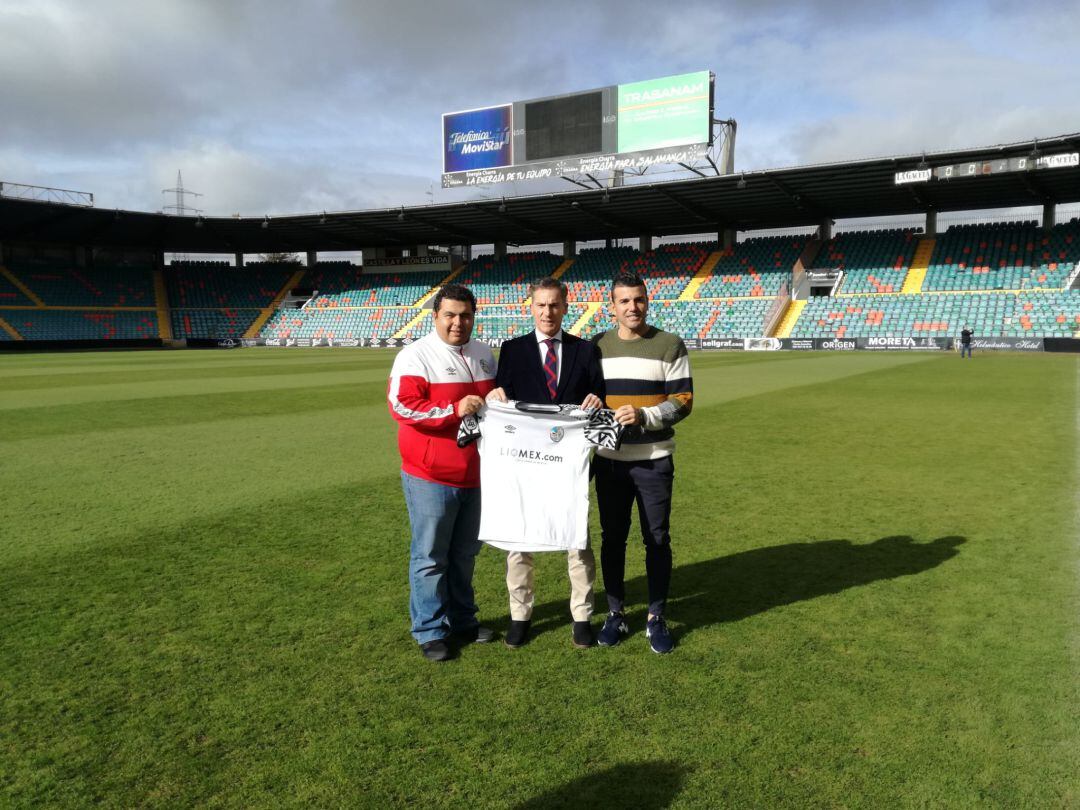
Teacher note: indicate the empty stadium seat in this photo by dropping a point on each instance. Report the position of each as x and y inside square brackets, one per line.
[754, 268]
[54, 324]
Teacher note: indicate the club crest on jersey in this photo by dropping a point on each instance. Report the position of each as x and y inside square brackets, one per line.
[556, 434]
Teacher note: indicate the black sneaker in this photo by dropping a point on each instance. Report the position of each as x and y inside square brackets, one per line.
[517, 634]
[660, 640]
[479, 634]
[583, 635]
[435, 650]
[613, 631]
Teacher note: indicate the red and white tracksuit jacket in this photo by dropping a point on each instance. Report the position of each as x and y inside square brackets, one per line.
[427, 381]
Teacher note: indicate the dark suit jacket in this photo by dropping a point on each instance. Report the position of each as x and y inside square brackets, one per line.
[521, 374]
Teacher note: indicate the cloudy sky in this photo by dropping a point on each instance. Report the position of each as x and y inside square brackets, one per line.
[273, 107]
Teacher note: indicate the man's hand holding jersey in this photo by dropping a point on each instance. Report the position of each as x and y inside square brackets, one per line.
[590, 402]
[469, 405]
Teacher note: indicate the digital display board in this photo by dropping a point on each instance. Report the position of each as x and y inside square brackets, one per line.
[958, 171]
[559, 127]
[627, 126]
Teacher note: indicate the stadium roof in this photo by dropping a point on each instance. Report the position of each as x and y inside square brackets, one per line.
[772, 198]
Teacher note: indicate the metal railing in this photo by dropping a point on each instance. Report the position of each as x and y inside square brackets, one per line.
[776, 309]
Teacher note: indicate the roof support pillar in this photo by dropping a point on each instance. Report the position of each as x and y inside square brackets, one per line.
[1049, 216]
[931, 223]
[500, 250]
[726, 238]
[645, 242]
[312, 257]
[824, 232]
[569, 248]
[239, 259]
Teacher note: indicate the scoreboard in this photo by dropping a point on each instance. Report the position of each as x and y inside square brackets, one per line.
[982, 168]
[623, 126]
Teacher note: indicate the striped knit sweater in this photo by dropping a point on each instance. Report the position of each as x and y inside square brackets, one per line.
[652, 373]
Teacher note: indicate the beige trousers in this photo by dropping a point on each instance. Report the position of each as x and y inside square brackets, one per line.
[581, 565]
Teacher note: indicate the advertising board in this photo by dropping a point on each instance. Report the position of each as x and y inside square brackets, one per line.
[660, 113]
[477, 139]
[628, 126]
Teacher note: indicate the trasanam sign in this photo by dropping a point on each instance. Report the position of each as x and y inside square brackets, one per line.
[665, 112]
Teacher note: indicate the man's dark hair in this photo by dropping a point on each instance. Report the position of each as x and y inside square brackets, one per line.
[549, 283]
[455, 292]
[626, 279]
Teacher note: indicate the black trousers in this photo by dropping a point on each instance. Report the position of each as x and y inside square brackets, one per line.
[619, 484]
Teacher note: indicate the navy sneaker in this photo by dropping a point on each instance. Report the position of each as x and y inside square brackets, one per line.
[660, 640]
[477, 633]
[613, 631]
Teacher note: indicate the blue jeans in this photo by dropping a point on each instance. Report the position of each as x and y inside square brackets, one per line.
[445, 528]
[965, 348]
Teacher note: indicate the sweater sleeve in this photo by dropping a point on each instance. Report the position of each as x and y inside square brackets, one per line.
[678, 389]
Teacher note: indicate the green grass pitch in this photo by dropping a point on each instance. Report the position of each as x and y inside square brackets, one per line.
[203, 597]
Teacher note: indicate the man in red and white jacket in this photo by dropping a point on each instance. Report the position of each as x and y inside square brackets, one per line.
[435, 382]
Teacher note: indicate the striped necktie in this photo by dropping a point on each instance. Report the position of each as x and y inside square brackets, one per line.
[551, 368]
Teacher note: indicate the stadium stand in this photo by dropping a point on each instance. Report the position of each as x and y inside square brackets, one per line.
[754, 268]
[667, 269]
[506, 280]
[342, 284]
[55, 324]
[872, 261]
[1012, 256]
[11, 295]
[1028, 314]
[59, 284]
[338, 322]
[1004, 279]
[212, 323]
[254, 286]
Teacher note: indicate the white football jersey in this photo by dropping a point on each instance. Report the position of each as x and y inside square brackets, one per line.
[534, 475]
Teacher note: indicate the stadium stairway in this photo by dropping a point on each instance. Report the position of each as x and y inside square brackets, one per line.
[450, 277]
[791, 316]
[920, 263]
[412, 324]
[562, 268]
[161, 297]
[21, 287]
[586, 317]
[10, 330]
[703, 274]
[268, 312]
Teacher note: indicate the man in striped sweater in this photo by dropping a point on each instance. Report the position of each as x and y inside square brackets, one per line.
[647, 376]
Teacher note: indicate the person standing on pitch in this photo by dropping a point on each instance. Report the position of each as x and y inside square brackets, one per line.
[647, 375]
[549, 365]
[436, 381]
[965, 342]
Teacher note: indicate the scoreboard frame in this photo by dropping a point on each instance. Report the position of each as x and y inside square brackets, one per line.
[667, 120]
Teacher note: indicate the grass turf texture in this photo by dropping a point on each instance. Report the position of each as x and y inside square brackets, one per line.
[204, 596]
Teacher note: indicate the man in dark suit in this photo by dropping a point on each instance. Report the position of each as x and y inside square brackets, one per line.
[549, 365]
